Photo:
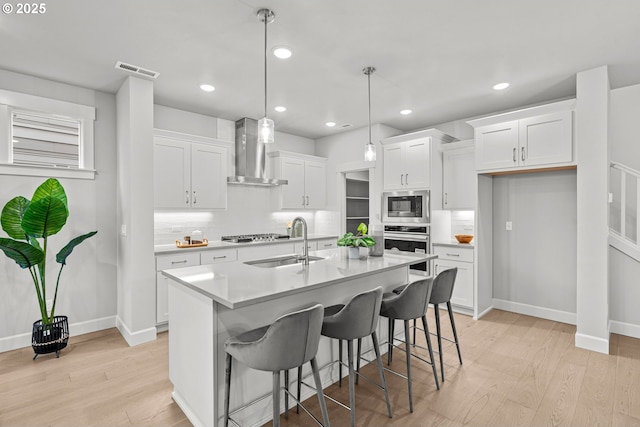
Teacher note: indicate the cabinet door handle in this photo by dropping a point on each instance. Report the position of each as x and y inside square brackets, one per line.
[401, 183]
[406, 179]
[302, 200]
[448, 254]
[195, 197]
[220, 257]
[184, 261]
[307, 200]
[187, 197]
[514, 154]
[445, 198]
[522, 153]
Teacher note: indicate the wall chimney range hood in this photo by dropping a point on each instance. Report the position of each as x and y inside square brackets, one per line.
[250, 157]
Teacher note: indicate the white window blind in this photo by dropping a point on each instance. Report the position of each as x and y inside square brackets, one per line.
[45, 140]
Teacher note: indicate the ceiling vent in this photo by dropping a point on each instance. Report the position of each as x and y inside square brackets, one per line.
[139, 71]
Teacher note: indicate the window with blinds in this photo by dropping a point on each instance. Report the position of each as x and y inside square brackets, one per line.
[45, 140]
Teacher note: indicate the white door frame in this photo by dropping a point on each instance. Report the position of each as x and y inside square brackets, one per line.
[341, 171]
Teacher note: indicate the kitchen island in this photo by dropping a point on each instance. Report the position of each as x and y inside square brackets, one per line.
[210, 303]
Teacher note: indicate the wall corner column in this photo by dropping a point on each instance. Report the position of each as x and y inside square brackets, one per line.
[592, 117]
[136, 262]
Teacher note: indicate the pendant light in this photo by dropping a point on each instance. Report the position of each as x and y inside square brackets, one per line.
[370, 148]
[266, 128]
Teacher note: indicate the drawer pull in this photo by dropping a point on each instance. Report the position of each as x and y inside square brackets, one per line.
[327, 245]
[219, 257]
[448, 254]
[179, 262]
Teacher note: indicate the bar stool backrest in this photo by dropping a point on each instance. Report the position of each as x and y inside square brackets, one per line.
[359, 317]
[412, 302]
[443, 286]
[291, 341]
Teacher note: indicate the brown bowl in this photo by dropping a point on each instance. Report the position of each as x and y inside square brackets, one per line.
[464, 238]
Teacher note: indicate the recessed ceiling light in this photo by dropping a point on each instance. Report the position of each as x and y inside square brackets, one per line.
[330, 124]
[405, 112]
[282, 52]
[501, 86]
[207, 88]
[280, 109]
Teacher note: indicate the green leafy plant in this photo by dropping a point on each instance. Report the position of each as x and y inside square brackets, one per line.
[26, 221]
[358, 239]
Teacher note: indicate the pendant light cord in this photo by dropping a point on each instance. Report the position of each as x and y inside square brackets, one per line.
[369, 91]
[266, 22]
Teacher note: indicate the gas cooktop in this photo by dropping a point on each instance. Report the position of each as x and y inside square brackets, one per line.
[247, 238]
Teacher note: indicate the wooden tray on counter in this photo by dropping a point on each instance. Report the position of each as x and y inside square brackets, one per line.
[180, 244]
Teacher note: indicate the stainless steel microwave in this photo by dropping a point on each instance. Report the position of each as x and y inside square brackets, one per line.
[406, 207]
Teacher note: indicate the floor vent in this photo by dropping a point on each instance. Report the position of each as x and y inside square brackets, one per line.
[137, 70]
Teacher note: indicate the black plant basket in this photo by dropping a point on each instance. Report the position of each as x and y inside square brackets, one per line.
[50, 338]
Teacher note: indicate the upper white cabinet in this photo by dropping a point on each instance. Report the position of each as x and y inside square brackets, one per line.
[307, 176]
[527, 139]
[459, 175]
[189, 171]
[405, 164]
[413, 161]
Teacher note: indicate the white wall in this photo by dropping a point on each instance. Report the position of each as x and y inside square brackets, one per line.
[88, 284]
[343, 148]
[535, 263]
[624, 292]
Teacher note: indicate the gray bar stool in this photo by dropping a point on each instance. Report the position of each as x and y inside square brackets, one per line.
[411, 303]
[355, 320]
[291, 341]
[441, 294]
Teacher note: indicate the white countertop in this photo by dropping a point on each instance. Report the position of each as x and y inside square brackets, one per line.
[236, 284]
[217, 244]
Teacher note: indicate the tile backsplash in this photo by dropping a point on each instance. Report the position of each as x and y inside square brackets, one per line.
[462, 222]
[250, 210]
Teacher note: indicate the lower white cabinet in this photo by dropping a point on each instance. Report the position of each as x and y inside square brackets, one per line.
[462, 258]
[327, 243]
[164, 262]
[250, 253]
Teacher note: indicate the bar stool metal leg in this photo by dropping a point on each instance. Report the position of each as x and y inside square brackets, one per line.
[340, 363]
[358, 359]
[323, 405]
[286, 394]
[299, 389]
[439, 335]
[374, 337]
[407, 338]
[352, 389]
[276, 399]
[455, 333]
[428, 338]
[227, 389]
[390, 346]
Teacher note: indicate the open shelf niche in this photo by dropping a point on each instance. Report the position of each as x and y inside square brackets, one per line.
[357, 203]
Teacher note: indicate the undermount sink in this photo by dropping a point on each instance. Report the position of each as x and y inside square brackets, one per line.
[280, 261]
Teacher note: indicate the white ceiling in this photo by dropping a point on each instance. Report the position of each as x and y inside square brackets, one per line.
[438, 58]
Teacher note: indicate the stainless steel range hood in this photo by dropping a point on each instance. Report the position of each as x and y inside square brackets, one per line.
[250, 157]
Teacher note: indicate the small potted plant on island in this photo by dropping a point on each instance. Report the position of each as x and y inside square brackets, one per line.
[356, 241]
[26, 221]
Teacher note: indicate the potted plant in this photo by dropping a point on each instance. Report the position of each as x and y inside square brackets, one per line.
[27, 221]
[355, 241]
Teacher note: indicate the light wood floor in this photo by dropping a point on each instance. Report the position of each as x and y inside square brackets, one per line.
[518, 371]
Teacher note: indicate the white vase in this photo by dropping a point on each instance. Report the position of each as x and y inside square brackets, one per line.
[353, 252]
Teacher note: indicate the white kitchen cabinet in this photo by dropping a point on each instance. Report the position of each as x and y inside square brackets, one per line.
[312, 245]
[406, 165]
[164, 262]
[459, 176]
[307, 176]
[189, 171]
[527, 139]
[414, 161]
[327, 243]
[462, 258]
[218, 256]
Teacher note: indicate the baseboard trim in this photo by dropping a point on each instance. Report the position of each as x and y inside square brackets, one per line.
[484, 313]
[15, 342]
[589, 342]
[626, 329]
[535, 311]
[138, 337]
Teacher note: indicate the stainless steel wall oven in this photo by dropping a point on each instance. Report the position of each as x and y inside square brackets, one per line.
[409, 238]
